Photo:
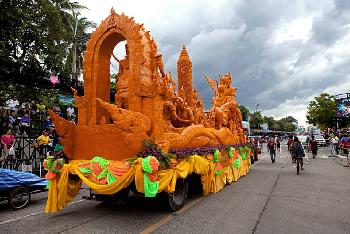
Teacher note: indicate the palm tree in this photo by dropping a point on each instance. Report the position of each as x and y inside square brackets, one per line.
[77, 33]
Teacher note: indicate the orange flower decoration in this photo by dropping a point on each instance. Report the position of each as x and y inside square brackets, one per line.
[50, 175]
[96, 169]
[154, 164]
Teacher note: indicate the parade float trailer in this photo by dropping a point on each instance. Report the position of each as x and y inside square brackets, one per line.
[152, 139]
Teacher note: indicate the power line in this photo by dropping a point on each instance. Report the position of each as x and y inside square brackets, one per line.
[116, 69]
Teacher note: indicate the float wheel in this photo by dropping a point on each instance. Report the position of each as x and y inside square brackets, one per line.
[177, 199]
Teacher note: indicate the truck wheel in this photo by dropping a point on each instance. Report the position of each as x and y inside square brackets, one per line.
[121, 196]
[19, 198]
[177, 199]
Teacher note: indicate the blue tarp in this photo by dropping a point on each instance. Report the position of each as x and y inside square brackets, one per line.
[10, 179]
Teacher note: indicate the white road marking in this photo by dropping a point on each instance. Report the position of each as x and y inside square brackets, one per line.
[35, 213]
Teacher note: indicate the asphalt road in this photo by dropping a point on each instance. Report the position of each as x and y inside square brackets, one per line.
[272, 198]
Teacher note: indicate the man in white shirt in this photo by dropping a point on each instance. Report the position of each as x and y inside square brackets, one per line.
[12, 104]
[334, 145]
[70, 112]
[26, 104]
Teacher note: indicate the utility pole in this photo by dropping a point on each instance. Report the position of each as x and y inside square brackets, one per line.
[74, 45]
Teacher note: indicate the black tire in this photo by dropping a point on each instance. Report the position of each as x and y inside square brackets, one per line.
[177, 199]
[19, 198]
[121, 196]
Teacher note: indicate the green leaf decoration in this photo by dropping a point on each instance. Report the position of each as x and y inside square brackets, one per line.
[150, 188]
[219, 172]
[85, 170]
[58, 147]
[216, 155]
[146, 164]
[110, 178]
[101, 161]
[243, 154]
[230, 154]
[237, 163]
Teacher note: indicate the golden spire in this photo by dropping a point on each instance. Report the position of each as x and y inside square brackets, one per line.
[184, 54]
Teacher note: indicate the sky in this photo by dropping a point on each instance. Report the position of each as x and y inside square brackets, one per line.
[280, 53]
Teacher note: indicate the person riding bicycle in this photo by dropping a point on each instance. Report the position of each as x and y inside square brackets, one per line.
[298, 153]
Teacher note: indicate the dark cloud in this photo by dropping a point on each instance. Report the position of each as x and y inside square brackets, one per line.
[264, 71]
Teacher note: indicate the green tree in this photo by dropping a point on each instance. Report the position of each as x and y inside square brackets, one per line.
[322, 111]
[286, 124]
[35, 40]
[256, 119]
[270, 121]
[245, 112]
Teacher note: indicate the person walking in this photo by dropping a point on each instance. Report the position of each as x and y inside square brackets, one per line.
[289, 144]
[334, 144]
[252, 161]
[298, 152]
[313, 146]
[256, 146]
[278, 144]
[261, 142]
[271, 147]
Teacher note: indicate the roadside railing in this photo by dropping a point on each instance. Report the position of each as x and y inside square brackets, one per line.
[27, 158]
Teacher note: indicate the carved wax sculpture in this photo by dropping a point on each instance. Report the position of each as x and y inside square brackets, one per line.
[184, 72]
[146, 107]
[121, 97]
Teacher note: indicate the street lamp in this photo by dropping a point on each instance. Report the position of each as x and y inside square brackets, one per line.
[255, 110]
[74, 46]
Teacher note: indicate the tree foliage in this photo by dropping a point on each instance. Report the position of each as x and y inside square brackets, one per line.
[36, 39]
[286, 124]
[322, 111]
[270, 121]
[256, 119]
[245, 112]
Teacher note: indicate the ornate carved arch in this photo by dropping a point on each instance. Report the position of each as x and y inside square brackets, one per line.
[112, 30]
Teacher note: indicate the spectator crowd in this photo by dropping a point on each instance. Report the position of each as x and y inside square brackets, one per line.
[26, 118]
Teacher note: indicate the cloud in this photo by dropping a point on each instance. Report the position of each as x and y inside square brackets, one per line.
[281, 53]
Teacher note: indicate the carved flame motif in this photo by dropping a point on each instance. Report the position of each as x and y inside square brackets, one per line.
[147, 106]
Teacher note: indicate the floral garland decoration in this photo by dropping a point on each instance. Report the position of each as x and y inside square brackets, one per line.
[248, 151]
[183, 152]
[232, 153]
[165, 160]
[150, 166]
[98, 171]
[52, 166]
[218, 168]
[242, 153]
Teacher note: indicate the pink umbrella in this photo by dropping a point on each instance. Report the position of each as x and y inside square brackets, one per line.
[54, 79]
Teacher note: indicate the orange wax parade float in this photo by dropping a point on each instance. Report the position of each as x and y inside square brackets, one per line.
[151, 139]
